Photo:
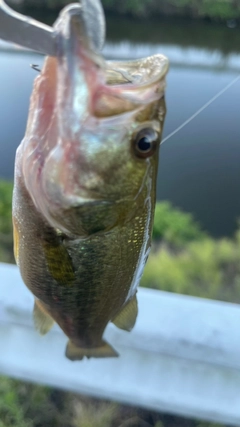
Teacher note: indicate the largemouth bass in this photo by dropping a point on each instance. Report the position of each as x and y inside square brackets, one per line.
[84, 192]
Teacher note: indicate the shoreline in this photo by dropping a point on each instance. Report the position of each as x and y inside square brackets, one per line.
[211, 10]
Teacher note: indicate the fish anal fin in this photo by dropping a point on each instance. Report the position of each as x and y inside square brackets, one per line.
[73, 352]
[42, 320]
[127, 317]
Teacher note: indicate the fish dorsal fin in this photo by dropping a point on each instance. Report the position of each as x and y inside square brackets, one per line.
[74, 352]
[42, 320]
[126, 318]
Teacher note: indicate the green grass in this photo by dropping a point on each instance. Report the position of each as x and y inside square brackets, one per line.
[27, 405]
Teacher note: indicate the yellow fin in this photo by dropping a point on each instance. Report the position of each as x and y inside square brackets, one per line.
[59, 263]
[16, 242]
[78, 353]
[127, 317]
[42, 320]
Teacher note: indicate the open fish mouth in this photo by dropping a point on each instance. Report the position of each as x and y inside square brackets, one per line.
[98, 87]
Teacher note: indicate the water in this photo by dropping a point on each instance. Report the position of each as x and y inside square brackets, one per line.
[199, 167]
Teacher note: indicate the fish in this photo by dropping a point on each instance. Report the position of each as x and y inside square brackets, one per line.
[84, 187]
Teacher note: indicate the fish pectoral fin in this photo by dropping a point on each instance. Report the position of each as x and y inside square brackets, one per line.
[74, 352]
[42, 320]
[59, 263]
[127, 317]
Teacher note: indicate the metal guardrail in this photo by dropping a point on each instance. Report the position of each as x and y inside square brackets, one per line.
[182, 357]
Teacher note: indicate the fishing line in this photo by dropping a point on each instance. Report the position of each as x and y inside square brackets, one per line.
[202, 109]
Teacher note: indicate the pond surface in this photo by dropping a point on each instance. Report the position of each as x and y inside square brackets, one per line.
[200, 166]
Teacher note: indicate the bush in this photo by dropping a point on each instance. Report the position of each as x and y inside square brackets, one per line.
[174, 226]
[6, 189]
[207, 268]
[213, 9]
[220, 9]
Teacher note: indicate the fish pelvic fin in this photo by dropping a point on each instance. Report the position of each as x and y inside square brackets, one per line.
[42, 320]
[74, 352]
[127, 317]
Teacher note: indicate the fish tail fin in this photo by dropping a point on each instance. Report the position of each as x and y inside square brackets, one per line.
[74, 352]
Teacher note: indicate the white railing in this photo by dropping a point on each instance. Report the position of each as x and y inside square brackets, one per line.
[183, 356]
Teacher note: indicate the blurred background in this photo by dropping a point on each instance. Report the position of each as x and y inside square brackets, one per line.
[196, 237]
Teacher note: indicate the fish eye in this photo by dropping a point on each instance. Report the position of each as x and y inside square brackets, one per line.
[145, 142]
